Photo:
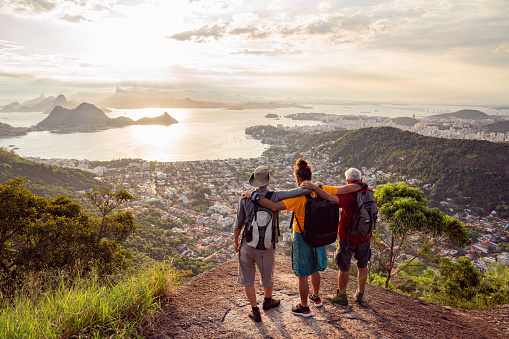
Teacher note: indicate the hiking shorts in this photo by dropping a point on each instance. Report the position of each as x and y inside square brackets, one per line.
[307, 260]
[263, 259]
[361, 253]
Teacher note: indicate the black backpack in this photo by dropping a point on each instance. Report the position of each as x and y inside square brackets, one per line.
[321, 222]
[364, 215]
[260, 231]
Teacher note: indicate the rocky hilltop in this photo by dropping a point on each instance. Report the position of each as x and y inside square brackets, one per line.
[214, 305]
[88, 117]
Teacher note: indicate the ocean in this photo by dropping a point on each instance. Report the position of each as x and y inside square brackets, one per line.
[200, 134]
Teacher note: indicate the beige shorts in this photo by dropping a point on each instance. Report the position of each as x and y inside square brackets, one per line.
[264, 259]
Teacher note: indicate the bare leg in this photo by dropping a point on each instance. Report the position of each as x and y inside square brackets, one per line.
[315, 282]
[251, 295]
[362, 276]
[268, 291]
[303, 290]
[343, 281]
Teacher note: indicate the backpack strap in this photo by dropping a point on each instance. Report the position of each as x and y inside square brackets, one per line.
[308, 196]
[349, 221]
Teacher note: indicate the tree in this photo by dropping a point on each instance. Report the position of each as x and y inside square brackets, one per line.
[403, 213]
[38, 234]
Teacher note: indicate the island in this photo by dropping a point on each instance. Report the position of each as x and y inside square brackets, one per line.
[88, 118]
[271, 116]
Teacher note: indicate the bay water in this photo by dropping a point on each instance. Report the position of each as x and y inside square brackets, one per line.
[200, 134]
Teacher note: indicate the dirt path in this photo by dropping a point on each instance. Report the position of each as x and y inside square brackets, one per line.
[213, 305]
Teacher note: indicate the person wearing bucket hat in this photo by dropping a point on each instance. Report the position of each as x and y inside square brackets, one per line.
[249, 256]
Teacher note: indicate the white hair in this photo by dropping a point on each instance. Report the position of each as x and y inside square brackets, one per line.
[353, 174]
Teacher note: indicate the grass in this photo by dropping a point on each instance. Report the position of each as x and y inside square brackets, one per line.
[87, 308]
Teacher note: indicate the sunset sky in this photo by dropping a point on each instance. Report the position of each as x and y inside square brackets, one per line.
[408, 51]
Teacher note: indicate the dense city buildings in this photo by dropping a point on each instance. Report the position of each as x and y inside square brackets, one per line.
[202, 198]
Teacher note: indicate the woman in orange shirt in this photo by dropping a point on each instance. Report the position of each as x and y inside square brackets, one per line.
[306, 260]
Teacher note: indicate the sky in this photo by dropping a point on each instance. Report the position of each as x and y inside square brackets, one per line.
[401, 51]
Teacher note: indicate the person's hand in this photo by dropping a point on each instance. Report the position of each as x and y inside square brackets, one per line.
[247, 194]
[307, 184]
[236, 246]
[318, 183]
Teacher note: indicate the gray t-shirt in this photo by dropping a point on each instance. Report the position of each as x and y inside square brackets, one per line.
[246, 206]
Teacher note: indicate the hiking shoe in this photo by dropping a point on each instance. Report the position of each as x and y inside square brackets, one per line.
[255, 315]
[273, 302]
[358, 297]
[301, 310]
[340, 299]
[316, 300]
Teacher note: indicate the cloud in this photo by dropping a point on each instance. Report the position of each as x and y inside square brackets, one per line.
[201, 34]
[34, 6]
[74, 18]
[271, 53]
[502, 49]
[9, 45]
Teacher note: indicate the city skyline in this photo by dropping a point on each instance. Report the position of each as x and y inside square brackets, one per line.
[387, 51]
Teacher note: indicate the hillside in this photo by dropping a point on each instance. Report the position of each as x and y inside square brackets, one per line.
[44, 180]
[214, 305]
[498, 127]
[7, 130]
[470, 172]
[464, 114]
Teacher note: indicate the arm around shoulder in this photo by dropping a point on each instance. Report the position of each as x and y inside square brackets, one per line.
[273, 206]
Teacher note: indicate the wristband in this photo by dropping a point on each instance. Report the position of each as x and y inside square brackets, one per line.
[254, 196]
[364, 186]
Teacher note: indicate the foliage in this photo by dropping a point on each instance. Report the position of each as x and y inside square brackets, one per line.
[79, 308]
[459, 169]
[38, 234]
[460, 284]
[403, 212]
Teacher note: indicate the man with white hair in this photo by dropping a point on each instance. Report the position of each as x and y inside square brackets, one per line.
[348, 244]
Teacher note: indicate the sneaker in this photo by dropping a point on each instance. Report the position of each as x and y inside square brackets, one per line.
[340, 299]
[301, 310]
[273, 302]
[316, 300]
[255, 315]
[358, 297]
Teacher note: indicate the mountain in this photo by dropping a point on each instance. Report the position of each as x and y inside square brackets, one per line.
[164, 119]
[12, 107]
[472, 173]
[464, 114]
[383, 313]
[88, 117]
[140, 98]
[40, 104]
[33, 102]
[84, 114]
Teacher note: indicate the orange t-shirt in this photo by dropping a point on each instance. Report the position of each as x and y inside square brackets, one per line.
[298, 206]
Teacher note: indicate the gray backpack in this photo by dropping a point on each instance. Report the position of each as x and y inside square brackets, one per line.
[365, 213]
[260, 231]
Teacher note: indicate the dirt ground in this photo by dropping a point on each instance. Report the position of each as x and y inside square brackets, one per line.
[214, 305]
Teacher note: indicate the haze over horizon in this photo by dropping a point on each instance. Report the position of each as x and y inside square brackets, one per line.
[415, 51]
